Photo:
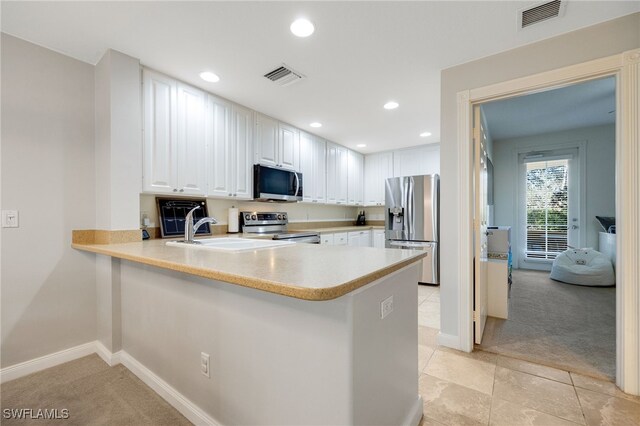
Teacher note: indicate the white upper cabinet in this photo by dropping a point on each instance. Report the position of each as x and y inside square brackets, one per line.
[288, 147]
[242, 137]
[266, 140]
[277, 144]
[421, 160]
[377, 168]
[220, 147]
[229, 137]
[337, 174]
[313, 168]
[174, 136]
[355, 189]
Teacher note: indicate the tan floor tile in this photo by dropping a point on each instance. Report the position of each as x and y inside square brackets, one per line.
[431, 320]
[535, 369]
[601, 409]
[425, 290]
[601, 386]
[435, 297]
[472, 373]
[480, 355]
[428, 336]
[452, 404]
[424, 355]
[505, 413]
[421, 299]
[551, 397]
[426, 421]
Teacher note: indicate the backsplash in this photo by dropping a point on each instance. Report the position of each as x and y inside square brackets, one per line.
[298, 212]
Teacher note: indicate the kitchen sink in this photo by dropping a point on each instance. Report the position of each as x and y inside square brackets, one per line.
[231, 244]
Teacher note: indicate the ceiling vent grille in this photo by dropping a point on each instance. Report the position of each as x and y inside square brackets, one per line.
[541, 12]
[284, 75]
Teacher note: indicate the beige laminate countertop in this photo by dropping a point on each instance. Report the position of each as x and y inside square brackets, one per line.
[337, 229]
[303, 271]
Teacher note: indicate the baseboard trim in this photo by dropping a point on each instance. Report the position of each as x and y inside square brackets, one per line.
[47, 361]
[449, 340]
[187, 408]
[415, 414]
[107, 356]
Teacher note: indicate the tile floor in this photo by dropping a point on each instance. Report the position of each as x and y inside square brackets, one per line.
[483, 388]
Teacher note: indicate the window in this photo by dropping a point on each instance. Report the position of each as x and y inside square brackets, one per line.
[546, 208]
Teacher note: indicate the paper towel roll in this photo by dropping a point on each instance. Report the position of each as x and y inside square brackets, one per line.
[233, 220]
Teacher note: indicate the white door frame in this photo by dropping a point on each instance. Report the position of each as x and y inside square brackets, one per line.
[626, 68]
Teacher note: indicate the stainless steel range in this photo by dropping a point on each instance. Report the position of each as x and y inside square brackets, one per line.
[275, 223]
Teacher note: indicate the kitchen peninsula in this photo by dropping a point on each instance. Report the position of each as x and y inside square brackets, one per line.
[298, 334]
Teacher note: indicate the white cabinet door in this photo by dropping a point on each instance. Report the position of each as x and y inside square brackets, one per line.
[219, 141]
[266, 140]
[159, 165]
[190, 142]
[288, 147]
[365, 239]
[242, 140]
[340, 239]
[326, 239]
[355, 180]
[332, 178]
[421, 160]
[359, 238]
[353, 239]
[378, 238]
[377, 168]
[319, 171]
[307, 166]
[342, 175]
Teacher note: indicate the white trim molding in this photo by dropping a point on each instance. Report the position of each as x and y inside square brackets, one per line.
[47, 361]
[107, 356]
[626, 68]
[187, 408]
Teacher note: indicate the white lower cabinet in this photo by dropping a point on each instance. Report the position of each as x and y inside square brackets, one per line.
[378, 238]
[326, 239]
[340, 239]
[359, 238]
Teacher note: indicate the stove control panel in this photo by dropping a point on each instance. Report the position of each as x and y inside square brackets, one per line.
[263, 218]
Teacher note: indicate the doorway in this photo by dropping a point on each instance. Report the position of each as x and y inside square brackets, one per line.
[626, 68]
[539, 175]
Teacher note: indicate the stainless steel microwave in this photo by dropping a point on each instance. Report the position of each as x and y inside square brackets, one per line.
[276, 184]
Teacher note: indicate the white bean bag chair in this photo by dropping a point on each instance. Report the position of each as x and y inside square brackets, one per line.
[583, 267]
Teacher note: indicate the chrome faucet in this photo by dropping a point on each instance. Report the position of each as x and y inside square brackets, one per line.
[190, 229]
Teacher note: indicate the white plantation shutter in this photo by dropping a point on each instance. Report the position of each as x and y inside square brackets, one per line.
[546, 208]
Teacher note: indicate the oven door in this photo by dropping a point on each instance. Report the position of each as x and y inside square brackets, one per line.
[275, 184]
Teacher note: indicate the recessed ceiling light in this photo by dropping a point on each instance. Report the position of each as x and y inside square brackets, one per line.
[302, 27]
[315, 124]
[425, 134]
[391, 105]
[209, 76]
[361, 145]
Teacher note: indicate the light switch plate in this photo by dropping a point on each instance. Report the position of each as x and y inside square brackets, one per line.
[10, 219]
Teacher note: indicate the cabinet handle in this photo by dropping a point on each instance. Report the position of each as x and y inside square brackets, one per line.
[175, 190]
[235, 195]
[230, 195]
[182, 190]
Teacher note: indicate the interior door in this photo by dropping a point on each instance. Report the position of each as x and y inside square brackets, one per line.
[480, 224]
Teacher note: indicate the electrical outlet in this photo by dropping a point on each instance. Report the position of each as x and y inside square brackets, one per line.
[386, 307]
[204, 364]
[10, 219]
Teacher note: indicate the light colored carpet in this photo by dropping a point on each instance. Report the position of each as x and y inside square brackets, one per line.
[560, 325]
[94, 394]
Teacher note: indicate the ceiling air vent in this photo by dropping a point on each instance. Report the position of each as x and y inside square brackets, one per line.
[541, 12]
[284, 75]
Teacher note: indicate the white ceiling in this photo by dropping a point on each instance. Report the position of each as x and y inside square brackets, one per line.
[361, 55]
[580, 105]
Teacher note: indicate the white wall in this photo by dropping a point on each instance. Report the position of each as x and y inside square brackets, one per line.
[599, 175]
[48, 289]
[590, 43]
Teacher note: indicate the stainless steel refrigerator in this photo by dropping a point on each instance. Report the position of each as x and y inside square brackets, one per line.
[412, 219]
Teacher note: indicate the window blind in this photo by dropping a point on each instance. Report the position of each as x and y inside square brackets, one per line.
[547, 208]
